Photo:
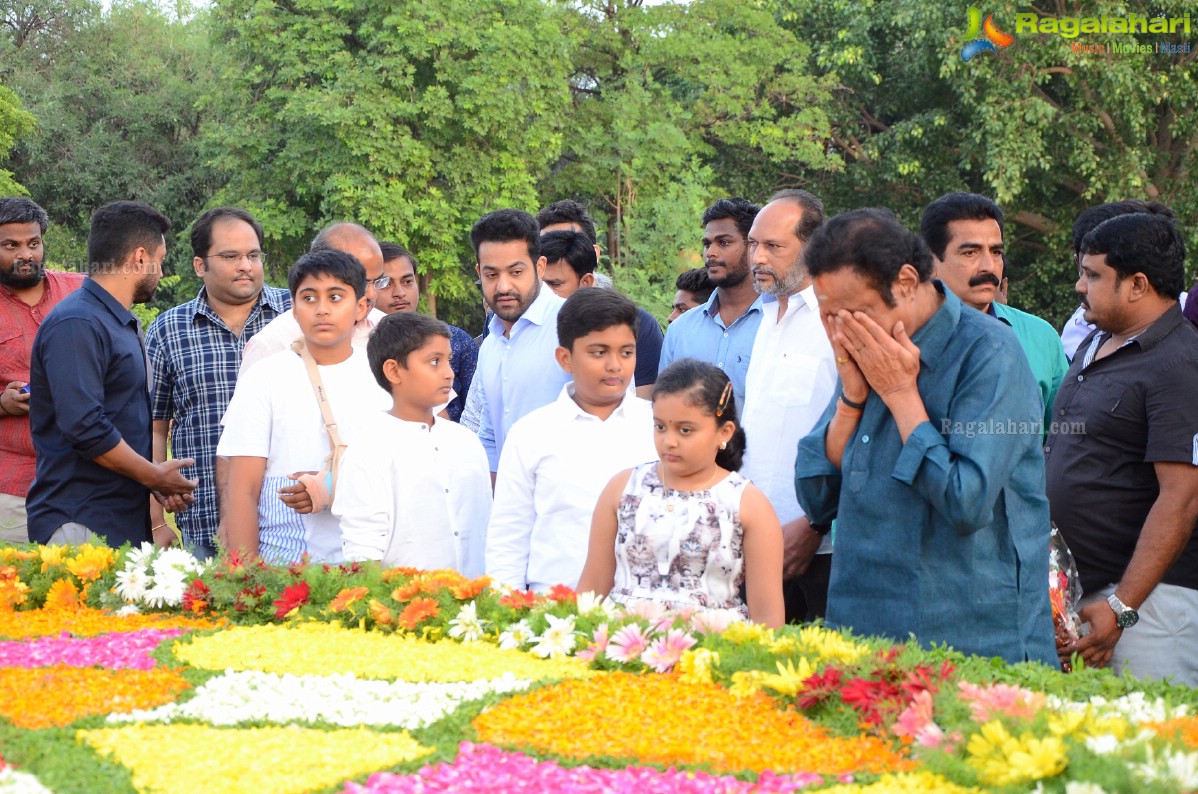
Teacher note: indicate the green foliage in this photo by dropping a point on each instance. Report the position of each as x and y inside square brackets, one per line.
[15, 122]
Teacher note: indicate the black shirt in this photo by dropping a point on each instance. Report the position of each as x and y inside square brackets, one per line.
[1112, 420]
[88, 375]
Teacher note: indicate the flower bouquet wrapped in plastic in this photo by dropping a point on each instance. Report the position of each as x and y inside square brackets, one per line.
[1064, 591]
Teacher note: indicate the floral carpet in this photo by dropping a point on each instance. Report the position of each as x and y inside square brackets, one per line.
[145, 671]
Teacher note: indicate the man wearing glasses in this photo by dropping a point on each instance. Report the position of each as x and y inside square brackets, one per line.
[195, 351]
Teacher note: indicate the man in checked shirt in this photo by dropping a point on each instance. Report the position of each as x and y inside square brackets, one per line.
[195, 350]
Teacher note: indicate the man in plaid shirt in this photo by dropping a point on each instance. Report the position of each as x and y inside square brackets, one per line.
[195, 350]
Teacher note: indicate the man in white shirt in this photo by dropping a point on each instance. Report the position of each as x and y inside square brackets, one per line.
[516, 369]
[283, 330]
[558, 458]
[791, 379]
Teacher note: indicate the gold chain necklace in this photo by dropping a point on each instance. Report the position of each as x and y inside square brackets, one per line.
[661, 475]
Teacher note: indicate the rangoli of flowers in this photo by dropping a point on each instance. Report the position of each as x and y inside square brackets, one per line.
[484, 768]
[89, 623]
[132, 650]
[42, 697]
[323, 649]
[253, 696]
[283, 760]
[665, 720]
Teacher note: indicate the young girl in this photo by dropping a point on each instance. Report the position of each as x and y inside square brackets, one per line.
[688, 530]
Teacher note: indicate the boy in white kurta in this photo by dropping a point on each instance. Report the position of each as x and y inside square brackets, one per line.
[414, 491]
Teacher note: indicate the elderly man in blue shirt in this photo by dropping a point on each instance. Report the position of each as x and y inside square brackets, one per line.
[929, 457]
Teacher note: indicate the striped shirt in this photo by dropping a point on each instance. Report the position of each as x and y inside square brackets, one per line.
[195, 358]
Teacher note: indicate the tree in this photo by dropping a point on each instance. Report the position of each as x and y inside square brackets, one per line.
[115, 95]
[15, 122]
[1045, 130]
[664, 95]
[413, 119]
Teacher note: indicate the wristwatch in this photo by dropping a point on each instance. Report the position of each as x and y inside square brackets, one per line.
[1125, 616]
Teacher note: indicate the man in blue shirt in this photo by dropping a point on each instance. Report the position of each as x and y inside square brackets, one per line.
[722, 330]
[965, 233]
[195, 352]
[90, 418]
[517, 369]
[930, 457]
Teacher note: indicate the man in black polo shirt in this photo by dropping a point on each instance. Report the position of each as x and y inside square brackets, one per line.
[89, 407]
[1122, 457]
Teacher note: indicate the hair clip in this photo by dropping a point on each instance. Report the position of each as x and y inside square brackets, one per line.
[723, 404]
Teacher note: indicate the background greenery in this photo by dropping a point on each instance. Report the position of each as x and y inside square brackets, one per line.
[415, 117]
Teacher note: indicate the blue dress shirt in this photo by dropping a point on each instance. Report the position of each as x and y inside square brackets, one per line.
[88, 375]
[518, 373]
[946, 536]
[700, 333]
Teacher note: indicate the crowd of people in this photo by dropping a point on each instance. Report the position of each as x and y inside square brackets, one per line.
[844, 420]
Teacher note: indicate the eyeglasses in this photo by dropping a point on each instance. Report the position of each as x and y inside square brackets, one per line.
[382, 282]
[232, 257]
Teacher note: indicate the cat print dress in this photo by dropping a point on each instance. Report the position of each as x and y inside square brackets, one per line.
[684, 549]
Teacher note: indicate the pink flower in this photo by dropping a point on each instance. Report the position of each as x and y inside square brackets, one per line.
[987, 702]
[713, 621]
[915, 717]
[649, 610]
[598, 644]
[664, 652]
[627, 644]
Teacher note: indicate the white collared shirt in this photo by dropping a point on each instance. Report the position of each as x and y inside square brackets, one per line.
[414, 495]
[792, 378]
[280, 332]
[556, 462]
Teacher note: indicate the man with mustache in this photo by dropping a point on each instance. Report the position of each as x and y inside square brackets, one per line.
[90, 383]
[517, 368]
[195, 350]
[965, 233]
[27, 294]
[723, 329]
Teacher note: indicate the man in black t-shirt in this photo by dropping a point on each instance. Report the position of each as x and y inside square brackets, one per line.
[1122, 453]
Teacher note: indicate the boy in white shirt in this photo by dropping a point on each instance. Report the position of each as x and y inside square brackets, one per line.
[274, 424]
[415, 491]
[558, 458]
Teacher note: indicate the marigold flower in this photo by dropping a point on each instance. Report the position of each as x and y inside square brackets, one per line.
[676, 723]
[418, 611]
[281, 760]
[470, 589]
[43, 697]
[91, 562]
[380, 614]
[52, 556]
[347, 598]
[519, 599]
[62, 595]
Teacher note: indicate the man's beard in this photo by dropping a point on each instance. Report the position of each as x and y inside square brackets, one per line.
[13, 280]
[788, 284]
[144, 292]
[733, 277]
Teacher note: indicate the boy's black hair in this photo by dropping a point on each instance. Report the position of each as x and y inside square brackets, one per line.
[328, 262]
[590, 309]
[396, 336]
[201, 230]
[505, 226]
[708, 388]
[1141, 243]
[696, 282]
[568, 211]
[120, 228]
[573, 247]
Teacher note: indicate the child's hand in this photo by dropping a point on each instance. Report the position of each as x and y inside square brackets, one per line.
[296, 496]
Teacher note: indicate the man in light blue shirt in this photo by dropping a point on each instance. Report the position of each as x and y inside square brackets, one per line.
[517, 371]
[722, 330]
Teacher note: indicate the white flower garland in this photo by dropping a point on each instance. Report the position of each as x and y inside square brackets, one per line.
[156, 578]
[253, 696]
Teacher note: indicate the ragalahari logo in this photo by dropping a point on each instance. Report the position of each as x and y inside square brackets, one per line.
[983, 36]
